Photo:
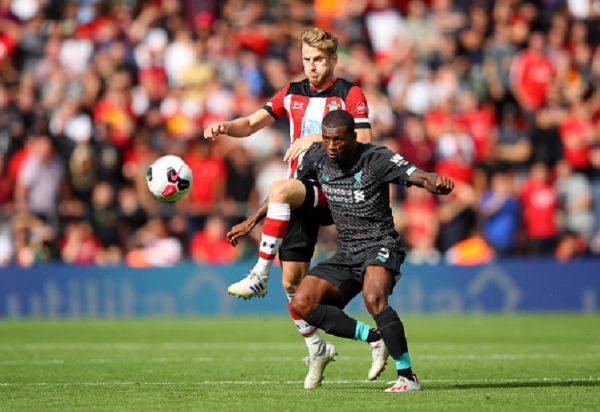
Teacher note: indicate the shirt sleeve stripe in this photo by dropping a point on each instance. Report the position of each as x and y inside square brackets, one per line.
[269, 109]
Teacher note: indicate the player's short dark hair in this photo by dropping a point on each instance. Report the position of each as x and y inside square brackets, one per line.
[337, 118]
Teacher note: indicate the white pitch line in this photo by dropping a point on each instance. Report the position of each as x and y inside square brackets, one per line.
[429, 357]
[136, 346]
[298, 382]
[40, 362]
[33, 362]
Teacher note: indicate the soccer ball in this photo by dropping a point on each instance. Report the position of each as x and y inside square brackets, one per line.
[169, 178]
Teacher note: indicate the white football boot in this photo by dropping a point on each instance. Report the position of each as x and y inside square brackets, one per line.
[253, 285]
[317, 365]
[403, 384]
[379, 355]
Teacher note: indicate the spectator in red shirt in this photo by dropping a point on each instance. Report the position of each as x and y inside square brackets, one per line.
[419, 225]
[540, 205]
[6, 185]
[576, 134]
[79, 245]
[437, 119]
[9, 37]
[531, 74]
[210, 244]
[416, 145]
[456, 153]
[210, 175]
[480, 123]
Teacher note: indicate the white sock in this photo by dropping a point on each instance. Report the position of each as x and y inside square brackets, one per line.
[273, 230]
[263, 266]
[314, 342]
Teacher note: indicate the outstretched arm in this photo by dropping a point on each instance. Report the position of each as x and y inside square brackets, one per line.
[242, 229]
[240, 127]
[432, 182]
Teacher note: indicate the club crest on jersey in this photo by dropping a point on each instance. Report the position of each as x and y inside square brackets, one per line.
[358, 183]
[333, 105]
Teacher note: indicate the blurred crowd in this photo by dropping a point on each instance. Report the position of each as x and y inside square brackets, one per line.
[502, 96]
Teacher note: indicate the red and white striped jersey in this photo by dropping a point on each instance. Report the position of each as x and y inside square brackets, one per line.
[305, 108]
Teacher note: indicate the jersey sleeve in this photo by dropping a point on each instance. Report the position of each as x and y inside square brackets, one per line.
[275, 106]
[391, 167]
[307, 169]
[356, 105]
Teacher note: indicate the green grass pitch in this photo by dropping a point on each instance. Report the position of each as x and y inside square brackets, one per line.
[466, 363]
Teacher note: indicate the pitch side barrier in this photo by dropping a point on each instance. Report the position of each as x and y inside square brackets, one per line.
[189, 289]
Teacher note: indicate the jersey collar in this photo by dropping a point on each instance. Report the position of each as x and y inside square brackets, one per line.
[326, 88]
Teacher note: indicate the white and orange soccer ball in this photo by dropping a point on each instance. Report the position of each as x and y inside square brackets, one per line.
[169, 178]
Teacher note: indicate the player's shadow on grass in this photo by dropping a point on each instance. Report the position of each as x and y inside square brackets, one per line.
[513, 384]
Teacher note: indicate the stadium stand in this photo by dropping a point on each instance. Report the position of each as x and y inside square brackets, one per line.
[500, 95]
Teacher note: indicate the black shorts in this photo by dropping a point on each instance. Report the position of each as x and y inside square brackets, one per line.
[346, 271]
[299, 242]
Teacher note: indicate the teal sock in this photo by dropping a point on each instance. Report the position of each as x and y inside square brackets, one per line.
[403, 362]
[365, 333]
[362, 331]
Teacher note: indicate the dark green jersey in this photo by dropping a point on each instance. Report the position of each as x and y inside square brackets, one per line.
[358, 194]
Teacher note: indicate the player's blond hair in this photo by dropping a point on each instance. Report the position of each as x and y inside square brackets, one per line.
[320, 39]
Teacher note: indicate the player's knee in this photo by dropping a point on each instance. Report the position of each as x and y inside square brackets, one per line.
[375, 302]
[302, 305]
[289, 285]
[279, 191]
[292, 275]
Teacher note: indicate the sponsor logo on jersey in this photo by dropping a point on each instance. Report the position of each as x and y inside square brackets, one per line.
[361, 108]
[359, 196]
[296, 105]
[340, 194]
[310, 126]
